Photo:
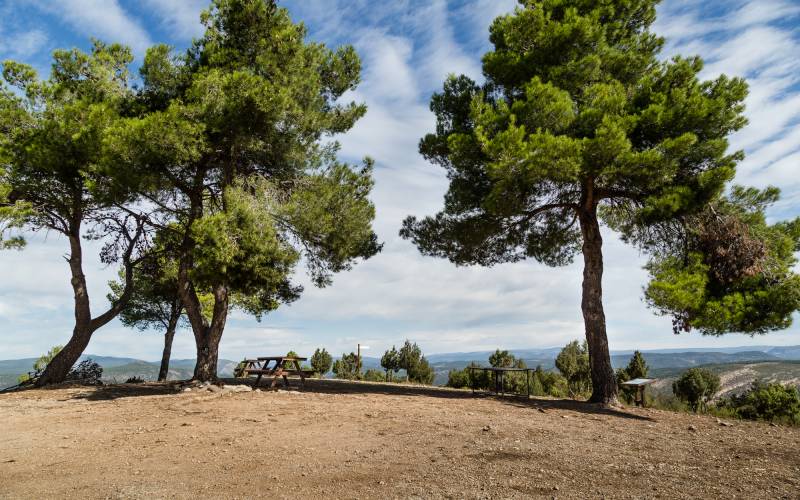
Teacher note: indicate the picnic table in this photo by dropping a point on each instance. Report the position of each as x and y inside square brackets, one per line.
[276, 367]
[499, 375]
[640, 384]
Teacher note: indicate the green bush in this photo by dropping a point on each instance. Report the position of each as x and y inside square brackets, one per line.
[373, 375]
[573, 363]
[39, 365]
[347, 367]
[458, 379]
[637, 368]
[321, 362]
[86, 372]
[766, 401]
[696, 386]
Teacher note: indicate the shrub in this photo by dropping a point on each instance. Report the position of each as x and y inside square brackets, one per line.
[766, 401]
[135, 380]
[321, 362]
[86, 372]
[573, 363]
[696, 386]
[347, 367]
[373, 375]
[390, 361]
[458, 379]
[637, 368]
[39, 365]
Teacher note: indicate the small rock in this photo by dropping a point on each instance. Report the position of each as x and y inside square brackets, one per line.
[541, 410]
[188, 389]
[487, 428]
[724, 423]
[555, 488]
[382, 483]
[692, 428]
[213, 388]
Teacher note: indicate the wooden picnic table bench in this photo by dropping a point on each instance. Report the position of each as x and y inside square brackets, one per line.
[274, 366]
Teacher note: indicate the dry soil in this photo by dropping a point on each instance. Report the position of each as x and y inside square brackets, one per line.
[358, 440]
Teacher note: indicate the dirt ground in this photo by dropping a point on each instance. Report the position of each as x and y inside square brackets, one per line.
[358, 440]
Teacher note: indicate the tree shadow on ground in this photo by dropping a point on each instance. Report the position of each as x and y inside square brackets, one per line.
[332, 386]
[116, 391]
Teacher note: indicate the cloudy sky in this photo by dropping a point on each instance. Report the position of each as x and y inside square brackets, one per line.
[407, 48]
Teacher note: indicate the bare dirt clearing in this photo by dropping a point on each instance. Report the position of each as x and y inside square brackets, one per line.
[358, 440]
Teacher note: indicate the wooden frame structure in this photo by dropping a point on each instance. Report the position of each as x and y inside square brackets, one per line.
[499, 378]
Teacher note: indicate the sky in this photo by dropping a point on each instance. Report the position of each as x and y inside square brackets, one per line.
[407, 49]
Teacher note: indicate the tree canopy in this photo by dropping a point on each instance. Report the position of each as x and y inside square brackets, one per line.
[56, 172]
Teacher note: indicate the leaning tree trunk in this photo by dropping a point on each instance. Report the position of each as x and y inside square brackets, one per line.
[604, 385]
[58, 369]
[169, 335]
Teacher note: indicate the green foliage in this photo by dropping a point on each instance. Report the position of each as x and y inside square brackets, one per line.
[417, 368]
[542, 383]
[576, 108]
[373, 375]
[766, 401]
[552, 384]
[501, 359]
[573, 363]
[637, 368]
[56, 172]
[241, 246]
[86, 372]
[347, 367]
[579, 120]
[458, 379]
[390, 362]
[40, 364]
[155, 302]
[234, 138]
[696, 386]
[321, 361]
[731, 271]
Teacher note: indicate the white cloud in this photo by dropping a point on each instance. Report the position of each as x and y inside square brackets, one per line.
[22, 44]
[103, 19]
[180, 17]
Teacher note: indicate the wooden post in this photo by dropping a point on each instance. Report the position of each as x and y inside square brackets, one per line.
[528, 381]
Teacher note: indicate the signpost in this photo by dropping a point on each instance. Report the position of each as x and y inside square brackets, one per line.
[358, 355]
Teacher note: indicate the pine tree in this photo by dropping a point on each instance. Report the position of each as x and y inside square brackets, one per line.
[579, 122]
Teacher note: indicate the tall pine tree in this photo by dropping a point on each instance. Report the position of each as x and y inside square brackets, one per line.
[578, 122]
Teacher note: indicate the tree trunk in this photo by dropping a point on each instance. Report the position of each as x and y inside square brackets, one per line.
[58, 369]
[169, 335]
[604, 385]
[208, 341]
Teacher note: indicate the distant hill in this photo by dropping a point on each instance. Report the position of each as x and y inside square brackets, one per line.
[117, 369]
[736, 377]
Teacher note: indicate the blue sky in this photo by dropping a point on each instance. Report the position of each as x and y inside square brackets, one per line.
[407, 48]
